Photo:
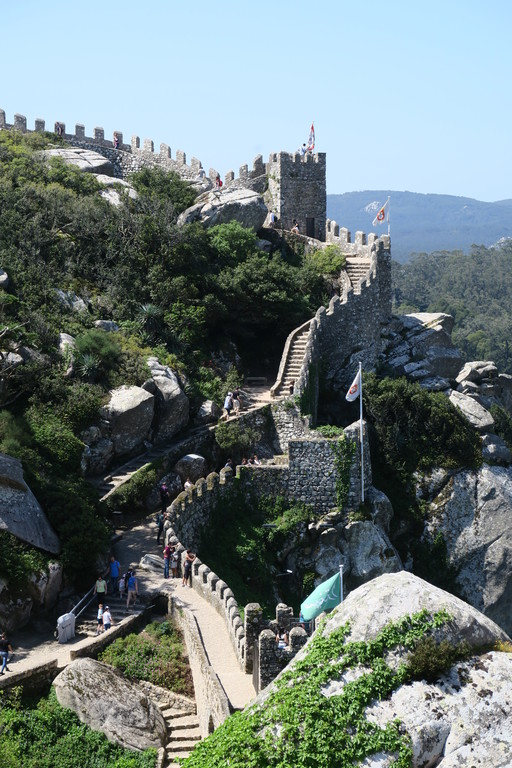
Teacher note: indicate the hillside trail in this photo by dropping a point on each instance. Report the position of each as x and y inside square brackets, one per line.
[254, 396]
[32, 648]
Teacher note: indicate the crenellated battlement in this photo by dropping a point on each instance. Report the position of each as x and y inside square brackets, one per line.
[126, 157]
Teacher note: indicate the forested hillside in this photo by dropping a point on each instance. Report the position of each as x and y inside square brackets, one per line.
[475, 288]
[209, 303]
[424, 223]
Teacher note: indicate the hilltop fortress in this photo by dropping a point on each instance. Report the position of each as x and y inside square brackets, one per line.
[294, 187]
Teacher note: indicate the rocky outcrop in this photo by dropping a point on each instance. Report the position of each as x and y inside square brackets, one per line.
[84, 159]
[476, 414]
[20, 512]
[208, 413]
[4, 279]
[129, 415]
[115, 190]
[420, 347]
[222, 206]
[342, 682]
[473, 512]
[172, 405]
[192, 467]
[108, 703]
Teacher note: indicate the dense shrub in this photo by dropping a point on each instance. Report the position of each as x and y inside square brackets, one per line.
[329, 260]
[157, 654]
[55, 438]
[18, 561]
[48, 735]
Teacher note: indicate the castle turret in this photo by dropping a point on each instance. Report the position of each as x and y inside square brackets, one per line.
[297, 190]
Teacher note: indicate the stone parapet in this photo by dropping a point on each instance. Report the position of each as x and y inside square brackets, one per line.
[211, 701]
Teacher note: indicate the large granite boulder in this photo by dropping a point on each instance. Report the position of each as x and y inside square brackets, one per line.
[20, 512]
[476, 414]
[108, 703]
[191, 467]
[171, 403]
[349, 697]
[420, 347]
[473, 512]
[368, 551]
[222, 206]
[115, 190]
[84, 159]
[129, 415]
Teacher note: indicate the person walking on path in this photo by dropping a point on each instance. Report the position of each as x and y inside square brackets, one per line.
[107, 619]
[164, 498]
[5, 649]
[160, 522]
[132, 586]
[187, 568]
[167, 558]
[100, 589]
[115, 570]
[99, 628]
[174, 562]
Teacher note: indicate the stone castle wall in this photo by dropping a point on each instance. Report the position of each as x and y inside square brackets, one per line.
[297, 190]
[349, 330]
[127, 158]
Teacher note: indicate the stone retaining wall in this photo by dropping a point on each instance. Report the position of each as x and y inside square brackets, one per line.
[35, 679]
[211, 701]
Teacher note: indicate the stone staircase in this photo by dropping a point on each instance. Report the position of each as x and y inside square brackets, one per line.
[87, 622]
[293, 362]
[356, 269]
[184, 735]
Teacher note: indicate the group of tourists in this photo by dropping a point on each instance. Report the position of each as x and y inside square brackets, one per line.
[232, 403]
[119, 585]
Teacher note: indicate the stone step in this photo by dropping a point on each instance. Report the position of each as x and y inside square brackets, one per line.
[176, 747]
[177, 714]
[182, 723]
[178, 737]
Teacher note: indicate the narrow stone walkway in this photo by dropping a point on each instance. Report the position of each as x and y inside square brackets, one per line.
[238, 686]
[32, 649]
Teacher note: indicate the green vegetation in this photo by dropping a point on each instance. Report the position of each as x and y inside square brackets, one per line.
[412, 430]
[157, 654]
[344, 451]
[46, 735]
[300, 726]
[245, 555]
[236, 439]
[195, 298]
[475, 288]
[17, 561]
[329, 260]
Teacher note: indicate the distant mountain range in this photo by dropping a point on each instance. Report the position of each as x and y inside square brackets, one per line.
[424, 223]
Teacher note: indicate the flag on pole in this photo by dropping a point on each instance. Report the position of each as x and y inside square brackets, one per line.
[381, 215]
[324, 598]
[354, 389]
[311, 141]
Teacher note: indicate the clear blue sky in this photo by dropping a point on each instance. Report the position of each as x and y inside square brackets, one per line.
[405, 95]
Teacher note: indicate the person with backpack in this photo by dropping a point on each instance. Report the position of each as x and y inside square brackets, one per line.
[174, 562]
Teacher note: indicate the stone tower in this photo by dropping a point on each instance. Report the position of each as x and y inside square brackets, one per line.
[297, 190]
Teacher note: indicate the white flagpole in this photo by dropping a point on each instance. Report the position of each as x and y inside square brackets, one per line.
[389, 224]
[361, 429]
[341, 583]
